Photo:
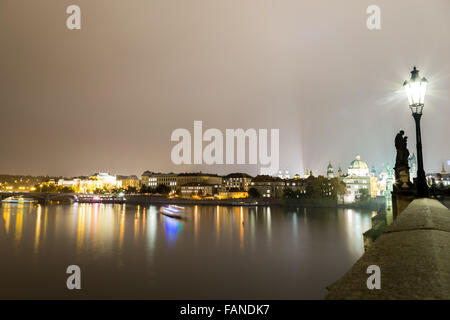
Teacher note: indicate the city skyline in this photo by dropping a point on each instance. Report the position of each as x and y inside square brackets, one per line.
[226, 157]
[323, 172]
[278, 66]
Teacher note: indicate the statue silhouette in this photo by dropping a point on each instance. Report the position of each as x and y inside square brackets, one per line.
[402, 150]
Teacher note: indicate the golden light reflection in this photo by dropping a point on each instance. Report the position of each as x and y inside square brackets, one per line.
[241, 229]
[217, 223]
[81, 227]
[45, 220]
[38, 229]
[144, 225]
[19, 224]
[93, 221]
[136, 226]
[121, 230]
[252, 215]
[7, 217]
[269, 223]
[196, 221]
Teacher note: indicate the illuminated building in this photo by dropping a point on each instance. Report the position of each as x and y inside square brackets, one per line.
[153, 179]
[240, 181]
[185, 178]
[286, 174]
[232, 194]
[19, 182]
[73, 183]
[357, 179]
[198, 189]
[280, 174]
[441, 179]
[307, 174]
[297, 184]
[103, 181]
[358, 168]
[106, 180]
[129, 181]
[283, 176]
[174, 180]
[268, 187]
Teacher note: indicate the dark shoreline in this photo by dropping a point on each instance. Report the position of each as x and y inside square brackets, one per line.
[305, 203]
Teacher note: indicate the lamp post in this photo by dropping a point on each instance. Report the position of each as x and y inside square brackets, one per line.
[415, 90]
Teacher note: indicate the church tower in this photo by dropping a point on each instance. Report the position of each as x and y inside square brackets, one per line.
[306, 174]
[330, 171]
[373, 171]
[412, 166]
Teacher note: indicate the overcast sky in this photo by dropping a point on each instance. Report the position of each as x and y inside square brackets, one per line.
[107, 97]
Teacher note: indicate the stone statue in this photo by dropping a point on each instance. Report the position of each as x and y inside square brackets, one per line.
[401, 162]
[402, 150]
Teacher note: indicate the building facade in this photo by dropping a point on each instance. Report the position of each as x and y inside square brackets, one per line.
[129, 181]
[175, 180]
[198, 189]
[98, 181]
[439, 180]
[153, 179]
[268, 187]
[239, 181]
[358, 179]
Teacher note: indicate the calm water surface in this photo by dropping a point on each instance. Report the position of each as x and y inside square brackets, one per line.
[128, 251]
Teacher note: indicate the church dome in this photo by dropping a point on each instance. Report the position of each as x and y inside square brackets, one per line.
[358, 164]
[358, 167]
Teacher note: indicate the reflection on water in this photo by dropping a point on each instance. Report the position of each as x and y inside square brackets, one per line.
[172, 228]
[216, 252]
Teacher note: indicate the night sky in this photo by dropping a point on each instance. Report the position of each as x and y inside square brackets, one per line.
[107, 97]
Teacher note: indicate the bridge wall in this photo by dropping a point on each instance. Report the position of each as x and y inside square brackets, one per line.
[413, 255]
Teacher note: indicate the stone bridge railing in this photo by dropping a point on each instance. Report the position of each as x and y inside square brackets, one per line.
[413, 256]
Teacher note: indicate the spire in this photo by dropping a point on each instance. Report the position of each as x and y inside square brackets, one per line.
[330, 171]
[414, 73]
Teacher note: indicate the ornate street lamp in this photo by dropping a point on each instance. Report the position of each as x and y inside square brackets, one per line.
[415, 90]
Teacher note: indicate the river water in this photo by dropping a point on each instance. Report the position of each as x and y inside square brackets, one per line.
[132, 251]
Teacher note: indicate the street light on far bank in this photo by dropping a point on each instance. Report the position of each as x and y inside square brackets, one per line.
[416, 89]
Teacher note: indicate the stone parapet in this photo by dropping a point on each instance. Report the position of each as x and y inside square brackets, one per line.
[413, 255]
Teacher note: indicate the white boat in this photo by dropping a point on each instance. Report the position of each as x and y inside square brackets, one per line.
[172, 211]
[18, 200]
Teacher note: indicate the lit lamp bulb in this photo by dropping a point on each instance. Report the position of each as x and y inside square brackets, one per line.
[415, 90]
